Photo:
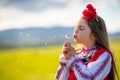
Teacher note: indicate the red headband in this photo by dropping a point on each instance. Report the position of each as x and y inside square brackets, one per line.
[90, 13]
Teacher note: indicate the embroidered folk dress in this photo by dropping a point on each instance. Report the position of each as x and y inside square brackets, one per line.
[94, 64]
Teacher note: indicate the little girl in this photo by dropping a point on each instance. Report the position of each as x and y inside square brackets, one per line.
[94, 61]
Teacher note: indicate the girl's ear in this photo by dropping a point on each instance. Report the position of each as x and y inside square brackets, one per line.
[93, 37]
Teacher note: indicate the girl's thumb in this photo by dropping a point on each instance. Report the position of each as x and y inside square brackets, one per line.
[66, 44]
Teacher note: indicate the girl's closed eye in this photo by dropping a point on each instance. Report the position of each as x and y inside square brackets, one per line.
[81, 27]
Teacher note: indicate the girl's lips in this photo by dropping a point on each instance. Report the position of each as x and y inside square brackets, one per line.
[75, 36]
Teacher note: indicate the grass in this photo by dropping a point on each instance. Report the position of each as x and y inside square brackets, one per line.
[29, 63]
[38, 63]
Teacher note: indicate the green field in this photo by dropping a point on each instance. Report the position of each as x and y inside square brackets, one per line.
[38, 63]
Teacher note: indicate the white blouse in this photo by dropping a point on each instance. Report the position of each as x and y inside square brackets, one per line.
[95, 70]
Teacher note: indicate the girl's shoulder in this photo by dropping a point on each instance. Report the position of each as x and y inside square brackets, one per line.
[99, 52]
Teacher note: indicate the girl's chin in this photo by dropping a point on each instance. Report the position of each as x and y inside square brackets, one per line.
[76, 41]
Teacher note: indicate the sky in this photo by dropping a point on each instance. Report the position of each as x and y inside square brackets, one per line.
[18, 14]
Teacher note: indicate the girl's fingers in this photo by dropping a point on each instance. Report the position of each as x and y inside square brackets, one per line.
[65, 52]
[66, 48]
[66, 44]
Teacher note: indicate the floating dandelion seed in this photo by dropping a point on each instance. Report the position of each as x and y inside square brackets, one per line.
[21, 33]
[3, 55]
[46, 44]
[54, 36]
[18, 61]
[60, 35]
[34, 77]
[28, 35]
[52, 76]
[37, 71]
[23, 61]
[17, 70]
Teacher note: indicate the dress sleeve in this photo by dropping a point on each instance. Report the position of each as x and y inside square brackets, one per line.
[95, 70]
[63, 70]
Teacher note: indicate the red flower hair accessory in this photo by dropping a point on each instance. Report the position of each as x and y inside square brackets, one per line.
[90, 13]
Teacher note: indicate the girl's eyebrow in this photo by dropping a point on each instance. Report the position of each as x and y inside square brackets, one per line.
[80, 26]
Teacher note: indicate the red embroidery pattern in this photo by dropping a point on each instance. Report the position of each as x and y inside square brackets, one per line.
[59, 72]
[100, 69]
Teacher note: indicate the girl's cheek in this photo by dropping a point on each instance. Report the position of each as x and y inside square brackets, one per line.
[80, 34]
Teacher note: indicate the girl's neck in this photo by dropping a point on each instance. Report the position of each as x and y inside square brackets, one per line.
[79, 46]
[88, 46]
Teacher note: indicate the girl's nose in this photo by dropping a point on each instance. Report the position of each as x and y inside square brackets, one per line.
[75, 31]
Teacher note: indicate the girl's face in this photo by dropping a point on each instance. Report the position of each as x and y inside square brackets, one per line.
[82, 32]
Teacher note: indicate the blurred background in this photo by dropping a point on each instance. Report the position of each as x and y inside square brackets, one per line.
[32, 33]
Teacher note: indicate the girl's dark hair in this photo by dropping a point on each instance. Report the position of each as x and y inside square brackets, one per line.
[98, 28]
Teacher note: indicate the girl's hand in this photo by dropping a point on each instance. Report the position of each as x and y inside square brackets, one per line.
[68, 50]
